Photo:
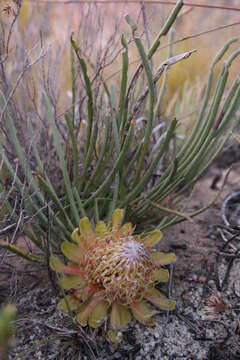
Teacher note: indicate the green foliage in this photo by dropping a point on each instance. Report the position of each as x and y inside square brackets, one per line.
[7, 315]
[109, 160]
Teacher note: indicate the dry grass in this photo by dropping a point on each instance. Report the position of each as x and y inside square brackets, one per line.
[41, 24]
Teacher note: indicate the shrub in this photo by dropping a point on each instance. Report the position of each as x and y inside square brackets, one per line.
[106, 158]
[113, 151]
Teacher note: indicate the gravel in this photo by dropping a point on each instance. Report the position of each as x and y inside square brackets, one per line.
[194, 331]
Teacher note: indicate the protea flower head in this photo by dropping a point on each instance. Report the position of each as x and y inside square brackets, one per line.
[113, 272]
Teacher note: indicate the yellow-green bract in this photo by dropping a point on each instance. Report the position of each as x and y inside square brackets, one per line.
[112, 273]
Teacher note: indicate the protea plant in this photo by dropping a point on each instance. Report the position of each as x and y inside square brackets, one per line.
[112, 271]
[112, 150]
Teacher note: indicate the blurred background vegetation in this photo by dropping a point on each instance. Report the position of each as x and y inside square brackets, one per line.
[99, 27]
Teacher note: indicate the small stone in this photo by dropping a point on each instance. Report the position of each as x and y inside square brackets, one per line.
[211, 282]
[202, 279]
[152, 344]
[39, 354]
[146, 348]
